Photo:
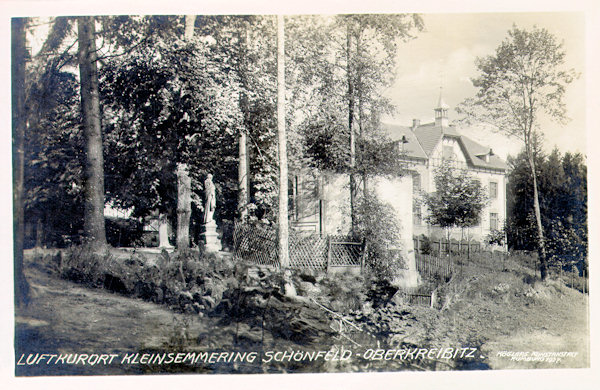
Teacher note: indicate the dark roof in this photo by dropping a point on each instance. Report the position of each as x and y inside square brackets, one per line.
[424, 138]
[429, 135]
[412, 148]
[475, 153]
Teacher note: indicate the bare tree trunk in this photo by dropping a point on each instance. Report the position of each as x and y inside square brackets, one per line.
[184, 190]
[243, 173]
[184, 206]
[39, 233]
[283, 233]
[94, 228]
[243, 193]
[538, 219]
[18, 129]
[351, 130]
[189, 26]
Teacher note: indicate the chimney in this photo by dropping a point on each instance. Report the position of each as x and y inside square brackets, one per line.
[416, 123]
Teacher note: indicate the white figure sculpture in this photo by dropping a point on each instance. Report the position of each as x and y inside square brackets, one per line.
[210, 201]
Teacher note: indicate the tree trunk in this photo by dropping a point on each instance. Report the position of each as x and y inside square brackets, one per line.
[283, 234]
[538, 219]
[184, 190]
[189, 26]
[18, 129]
[358, 90]
[351, 131]
[243, 177]
[184, 206]
[39, 233]
[243, 174]
[94, 229]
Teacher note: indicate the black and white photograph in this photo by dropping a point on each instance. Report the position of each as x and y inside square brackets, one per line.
[222, 192]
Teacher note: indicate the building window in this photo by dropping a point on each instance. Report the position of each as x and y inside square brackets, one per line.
[493, 221]
[493, 190]
[416, 183]
[417, 216]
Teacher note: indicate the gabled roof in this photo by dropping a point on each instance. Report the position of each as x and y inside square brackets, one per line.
[428, 135]
[476, 153]
[423, 139]
[412, 148]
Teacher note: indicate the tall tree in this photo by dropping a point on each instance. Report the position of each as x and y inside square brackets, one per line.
[249, 43]
[19, 57]
[345, 63]
[523, 80]
[90, 108]
[563, 205]
[184, 183]
[282, 215]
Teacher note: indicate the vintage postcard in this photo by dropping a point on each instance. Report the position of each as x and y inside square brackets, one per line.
[230, 193]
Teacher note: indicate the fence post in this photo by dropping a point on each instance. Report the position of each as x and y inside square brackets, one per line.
[364, 254]
[468, 249]
[328, 252]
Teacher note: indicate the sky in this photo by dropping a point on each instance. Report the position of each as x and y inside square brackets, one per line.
[444, 56]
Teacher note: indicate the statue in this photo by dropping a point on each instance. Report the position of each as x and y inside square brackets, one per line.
[211, 238]
[210, 201]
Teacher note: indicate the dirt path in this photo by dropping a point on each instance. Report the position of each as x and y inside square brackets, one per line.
[64, 318]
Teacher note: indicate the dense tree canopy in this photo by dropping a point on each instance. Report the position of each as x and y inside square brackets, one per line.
[341, 65]
[458, 199]
[165, 103]
[167, 100]
[563, 205]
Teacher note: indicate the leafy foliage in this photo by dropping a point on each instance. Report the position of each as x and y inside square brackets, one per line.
[379, 229]
[523, 80]
[458, 198]
[563, 204]
[54, 155]
[339, 68]
[167, 102]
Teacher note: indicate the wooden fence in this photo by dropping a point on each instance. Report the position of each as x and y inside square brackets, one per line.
[442, 246]
[257, 244]
[433, 266]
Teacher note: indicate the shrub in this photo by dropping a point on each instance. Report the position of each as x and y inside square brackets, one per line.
[496, 237]
[377, 226]
[426, 248]
[84, 265]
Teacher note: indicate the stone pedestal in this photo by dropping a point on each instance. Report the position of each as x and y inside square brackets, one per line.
[211, 239]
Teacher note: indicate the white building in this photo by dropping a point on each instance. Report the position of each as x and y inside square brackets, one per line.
[426, 146]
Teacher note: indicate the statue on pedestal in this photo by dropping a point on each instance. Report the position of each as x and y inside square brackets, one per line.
[210, 201]
[211, 239]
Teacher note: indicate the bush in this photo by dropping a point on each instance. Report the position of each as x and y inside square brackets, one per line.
[567, 245]
[123, 232]
[83, 265]
[496, 237]
[377, 226]
[426, 248]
